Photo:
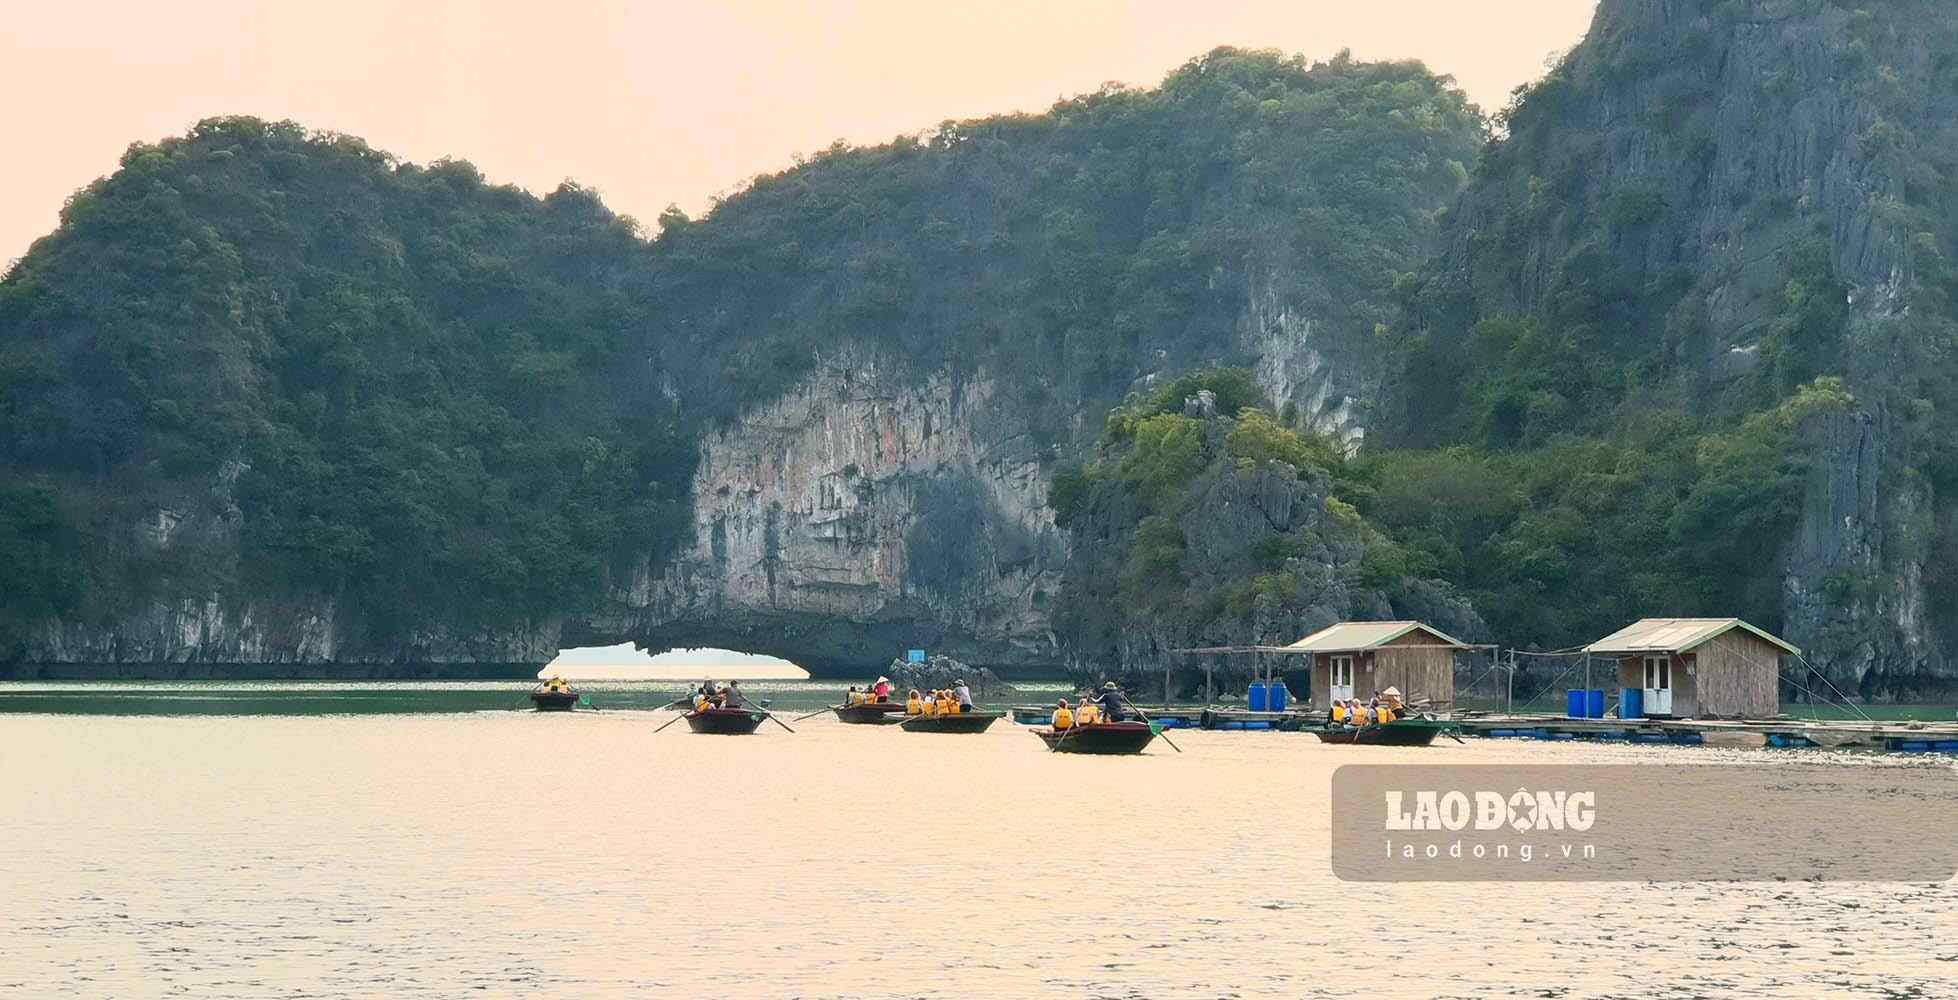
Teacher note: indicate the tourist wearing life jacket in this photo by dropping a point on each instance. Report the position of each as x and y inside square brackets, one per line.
[1063, 716]
[1090, 713]
[931, 703]
[914, 705]
[1338, 713]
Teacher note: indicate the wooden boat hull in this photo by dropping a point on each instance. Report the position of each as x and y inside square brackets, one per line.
[726, 721]
[876, 714]
[554, 701]
[1099, 738]
[964, 722]
[1404, 733]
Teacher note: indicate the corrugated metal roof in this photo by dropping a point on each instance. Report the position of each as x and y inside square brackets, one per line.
[1346, 637]
[1674, 635]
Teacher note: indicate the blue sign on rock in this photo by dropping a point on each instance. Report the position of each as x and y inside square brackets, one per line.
[915, 656]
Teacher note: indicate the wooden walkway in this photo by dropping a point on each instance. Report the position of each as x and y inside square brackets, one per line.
[1919, 737]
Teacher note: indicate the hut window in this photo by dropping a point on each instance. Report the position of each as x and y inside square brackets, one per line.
[1342, 676]
[1658, 673]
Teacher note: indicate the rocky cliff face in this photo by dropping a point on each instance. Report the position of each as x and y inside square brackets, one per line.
[1675, 188]
[870, 509]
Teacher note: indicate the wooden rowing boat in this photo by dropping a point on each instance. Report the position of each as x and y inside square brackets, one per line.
[1099, 738]
[554, 700]
[878, 713]
[961, 722]
[726, 721]
[1399, 733]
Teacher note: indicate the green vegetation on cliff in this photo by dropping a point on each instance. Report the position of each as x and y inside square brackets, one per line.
[265, 361]
[1117, 234]
[1202, 519]
[1704, 232]
[261, 363]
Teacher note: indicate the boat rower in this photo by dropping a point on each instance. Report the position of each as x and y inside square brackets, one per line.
[1111, 702]
[963, 695]
[1395, 705]
[731, 698]
[881, 690]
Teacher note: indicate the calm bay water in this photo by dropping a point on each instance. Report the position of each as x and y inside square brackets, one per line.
[423, 841]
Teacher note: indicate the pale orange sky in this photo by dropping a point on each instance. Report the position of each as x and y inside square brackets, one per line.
[651, 102]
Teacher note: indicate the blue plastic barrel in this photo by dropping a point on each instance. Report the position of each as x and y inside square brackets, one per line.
[1275, 696]
[1254, 699]
[1594, 704]
[1631, 703]
[1574, 702]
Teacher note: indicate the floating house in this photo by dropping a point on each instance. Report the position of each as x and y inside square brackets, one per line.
[1356, 659]
[1697, 667]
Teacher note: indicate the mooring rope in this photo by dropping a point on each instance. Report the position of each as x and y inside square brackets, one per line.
[1833, 687]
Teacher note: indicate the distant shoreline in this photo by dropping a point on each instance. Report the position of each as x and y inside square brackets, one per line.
[267, 671]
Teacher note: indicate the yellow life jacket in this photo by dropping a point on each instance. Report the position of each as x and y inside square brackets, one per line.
[700, 703]
[1090, 713]
[1339, 712]
[1063, 719]
[931, 708]
[915, 706]
[1383, 714]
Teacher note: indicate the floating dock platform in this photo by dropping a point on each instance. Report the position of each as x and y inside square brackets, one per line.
[1902, 737]
[1897, 736]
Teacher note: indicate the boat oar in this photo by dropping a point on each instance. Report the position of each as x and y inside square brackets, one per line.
[778, 722]
[811, 715]
[1145, 718]
[1069, 731]
[671, 721]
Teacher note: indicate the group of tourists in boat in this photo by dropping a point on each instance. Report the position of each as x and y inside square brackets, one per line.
[946, 710]
[940, 710]
[1093, 708]
[875, 694]
[1384, 707]
[955, 700]
[1096, 723]
[1384, 720]
[712, 695]
[554, 695]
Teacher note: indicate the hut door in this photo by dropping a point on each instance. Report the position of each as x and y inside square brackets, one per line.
[1342, 680]
[1658, 685]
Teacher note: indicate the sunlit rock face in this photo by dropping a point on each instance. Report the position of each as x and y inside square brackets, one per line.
[867, 511]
